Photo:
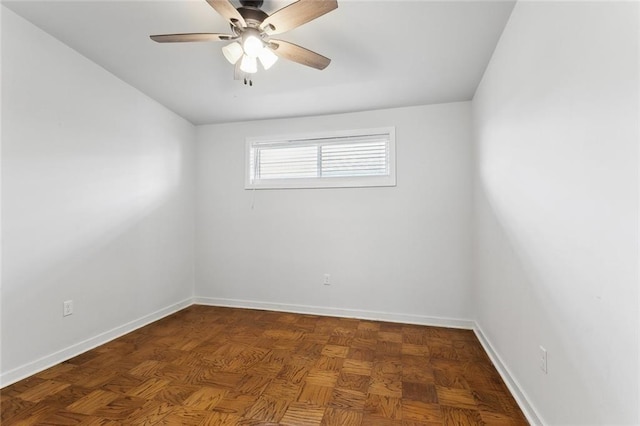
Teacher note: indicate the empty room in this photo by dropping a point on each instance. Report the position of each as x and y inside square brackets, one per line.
[320, 212]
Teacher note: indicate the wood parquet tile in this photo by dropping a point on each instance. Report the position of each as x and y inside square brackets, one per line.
[222, 366]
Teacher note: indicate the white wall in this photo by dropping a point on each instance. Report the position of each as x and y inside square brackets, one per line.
[97, 200]
[398, 253]
[556, 124]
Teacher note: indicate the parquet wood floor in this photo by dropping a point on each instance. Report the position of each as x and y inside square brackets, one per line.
[222, 366]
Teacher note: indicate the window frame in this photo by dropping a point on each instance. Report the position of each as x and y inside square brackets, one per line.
[324, 181]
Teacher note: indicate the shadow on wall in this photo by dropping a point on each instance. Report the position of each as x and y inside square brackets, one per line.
[521, 309]
[103, 238]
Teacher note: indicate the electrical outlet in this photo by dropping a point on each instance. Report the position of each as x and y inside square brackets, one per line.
[543, 359]
[67, 308]
[327, 279]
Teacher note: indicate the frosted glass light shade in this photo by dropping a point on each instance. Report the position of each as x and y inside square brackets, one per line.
[233, 52]
[249, 64]
[267, 58]
[252, 45]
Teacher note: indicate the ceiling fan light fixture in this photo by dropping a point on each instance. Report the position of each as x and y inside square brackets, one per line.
[267, 58]
[233, 52]
[252, 44]
[248, 64]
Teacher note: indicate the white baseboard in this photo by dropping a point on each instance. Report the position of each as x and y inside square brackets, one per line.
[337, 312]
[34, 367]
[514, 387]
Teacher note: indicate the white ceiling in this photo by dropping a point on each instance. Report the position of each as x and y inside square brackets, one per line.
[384, 54]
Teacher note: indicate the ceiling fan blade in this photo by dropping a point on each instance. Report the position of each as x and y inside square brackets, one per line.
[179, 38]
[298, 54]
[228, 12]
[296, 14]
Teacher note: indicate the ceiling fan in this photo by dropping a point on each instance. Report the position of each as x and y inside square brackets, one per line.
[251, 31]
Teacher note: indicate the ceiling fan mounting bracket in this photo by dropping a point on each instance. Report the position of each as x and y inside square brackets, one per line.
[252, 3]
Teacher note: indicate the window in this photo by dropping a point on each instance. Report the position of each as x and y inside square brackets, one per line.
[339, 159]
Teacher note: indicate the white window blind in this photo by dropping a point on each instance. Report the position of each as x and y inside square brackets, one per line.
[343, 159]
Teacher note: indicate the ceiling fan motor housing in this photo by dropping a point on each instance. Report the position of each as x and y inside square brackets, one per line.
[253, 17]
